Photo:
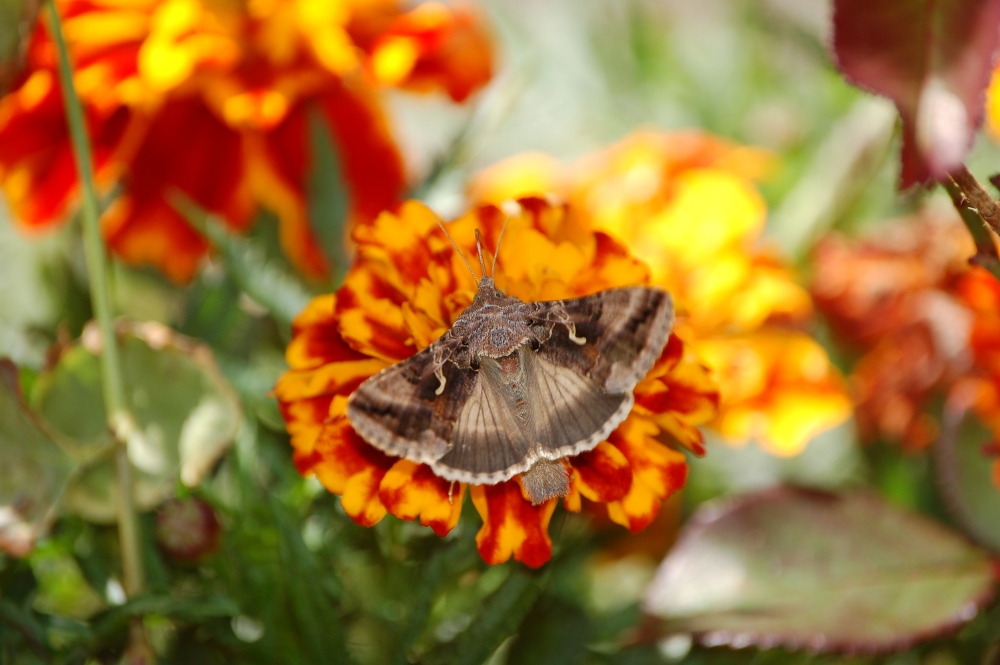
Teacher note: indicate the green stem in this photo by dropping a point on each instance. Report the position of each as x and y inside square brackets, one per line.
[97, 270]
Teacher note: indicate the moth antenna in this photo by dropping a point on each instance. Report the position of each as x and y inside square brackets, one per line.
[496, 252]
[479, 250]
[448, 236]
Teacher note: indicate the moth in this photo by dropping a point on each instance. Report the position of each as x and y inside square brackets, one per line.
[513, 387]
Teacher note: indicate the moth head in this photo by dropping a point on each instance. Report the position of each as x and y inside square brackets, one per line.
[486, 287]
[488, 291]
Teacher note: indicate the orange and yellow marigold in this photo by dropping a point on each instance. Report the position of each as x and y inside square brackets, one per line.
[406, 287]
[687, 205]
[924, 321]
[215, 100]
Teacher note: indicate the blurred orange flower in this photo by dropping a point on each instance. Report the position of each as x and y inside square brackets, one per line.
[907, 300]
[687, 205]
[406, 287]
[216, 100]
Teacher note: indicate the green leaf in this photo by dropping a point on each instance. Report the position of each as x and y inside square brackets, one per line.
[500, 615]
[17, 19]
[185, 414]
[62, 588]
[327, 195]
[198, 609]
[966, 476]
[33, 469]
[25, 623]
[266, 281]
[315, 616]
[800, 568]
[39, 292]
[443, 565]
[554, 633]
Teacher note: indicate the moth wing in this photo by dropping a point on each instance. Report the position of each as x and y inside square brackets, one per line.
[400, 411]
[571, 412]
[489, 442]
[616, 335]
[467, 433]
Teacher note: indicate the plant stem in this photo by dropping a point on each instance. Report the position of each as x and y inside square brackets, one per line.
[978, 197]
[986, 253]
[980, 214]
[97, 271]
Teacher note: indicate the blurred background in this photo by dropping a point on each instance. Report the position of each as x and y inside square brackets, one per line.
[251, 562]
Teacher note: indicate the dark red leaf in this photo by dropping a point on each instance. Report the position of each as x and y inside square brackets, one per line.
[807, 569]
[933, 58]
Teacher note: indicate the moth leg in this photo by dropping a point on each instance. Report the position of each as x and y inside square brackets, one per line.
[572, 334]
[439, 373]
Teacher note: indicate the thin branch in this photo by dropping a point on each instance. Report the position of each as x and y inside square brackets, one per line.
[978, 197]
[981, 216]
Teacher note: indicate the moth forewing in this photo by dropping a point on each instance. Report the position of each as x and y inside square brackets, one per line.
[514, 387]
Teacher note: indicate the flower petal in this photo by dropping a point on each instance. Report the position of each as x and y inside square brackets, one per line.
[316, 337]
[434, 46]
[512, 527]
[678, 394]
[207, 165]
[775, 385]
[602, 474]
[411, 490]
[657, 471]
[37, 168]
[348, 466]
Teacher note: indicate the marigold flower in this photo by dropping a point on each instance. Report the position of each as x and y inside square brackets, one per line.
[687, 205]
[905, 299]
[215, 100]
[405, 288]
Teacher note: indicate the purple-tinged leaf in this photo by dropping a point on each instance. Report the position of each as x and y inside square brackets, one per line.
[964, 470]
[806, 569]
[933, 58]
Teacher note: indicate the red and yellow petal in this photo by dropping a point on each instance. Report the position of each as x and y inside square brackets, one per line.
[432, 47]
[37, 168]
[316, 338]
[657, 472]
[678, 395]
[410, 491]
[348, 466]
[512, 527]
[602, 474]
[207, 165]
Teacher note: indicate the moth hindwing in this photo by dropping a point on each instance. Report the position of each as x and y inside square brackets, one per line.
[514, 387]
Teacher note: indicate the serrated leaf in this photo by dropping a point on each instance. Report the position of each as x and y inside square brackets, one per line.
[33, 469]
[933, 59]
[831, 572]
[186, 415]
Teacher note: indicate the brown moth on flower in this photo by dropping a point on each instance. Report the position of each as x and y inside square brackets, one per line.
[514, 387]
